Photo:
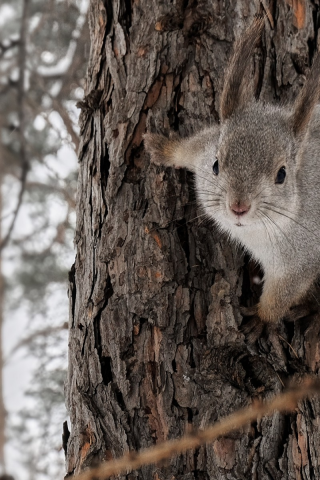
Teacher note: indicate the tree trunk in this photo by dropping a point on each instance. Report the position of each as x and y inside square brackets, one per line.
[155, 331]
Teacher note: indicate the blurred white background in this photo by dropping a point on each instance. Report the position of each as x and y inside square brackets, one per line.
[44, 47]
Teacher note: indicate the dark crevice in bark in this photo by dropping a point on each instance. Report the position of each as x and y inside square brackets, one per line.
[104, 168]
[190, 332]
[128, 353]
[314, 418]
[303, 324]
[312, 50]
[145, 208]
[289, 327]
[109, 12]
[251, 290]
[192, 361]
[287, 430]
[73, 292]
[143, 321]
[256, 374]
[176, 404]
[88, 124]
[108, 292]
[299, 64]
[97, 336]
[105, 362]
[313, 42]
[316, 20]
[201, 475]
[198, 19]
[106, 369]
[310, 406]
[190, 415]
[84, 341]
[183, 234]
[119, 397]
[65, 437]
[174, 113]
[132, 173]
[171, 21]
[174, 365]
[125, 15]
[311, 468]
[214, 114]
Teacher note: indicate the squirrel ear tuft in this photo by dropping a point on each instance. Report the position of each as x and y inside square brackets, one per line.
[234, 93]
[307, 99]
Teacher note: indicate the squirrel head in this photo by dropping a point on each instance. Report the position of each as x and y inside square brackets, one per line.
[254, 161]
[252, 157]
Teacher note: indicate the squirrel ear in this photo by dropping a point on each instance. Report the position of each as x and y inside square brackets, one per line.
[234, 91]
[307, 99]
[168, 152]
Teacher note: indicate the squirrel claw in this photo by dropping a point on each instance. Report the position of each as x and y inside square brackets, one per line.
[254, 329]
[300, 311]
[249, 311]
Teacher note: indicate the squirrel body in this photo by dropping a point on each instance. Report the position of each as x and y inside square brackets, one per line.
[257, 176]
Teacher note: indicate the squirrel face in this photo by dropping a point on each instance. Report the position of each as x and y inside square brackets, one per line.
[252, 164]
[248, 168]
[257, 177]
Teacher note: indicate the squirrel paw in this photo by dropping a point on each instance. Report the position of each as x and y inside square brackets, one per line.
[300, 311]
[255, 327]
[249, 311]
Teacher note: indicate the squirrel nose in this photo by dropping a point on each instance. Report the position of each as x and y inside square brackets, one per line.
[239, 208]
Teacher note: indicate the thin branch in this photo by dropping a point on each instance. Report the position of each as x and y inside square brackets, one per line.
[22, 120]
[68, 195]
[5, 48]
[44, 332]
[57, 105]
[16, 210]
[60, 108]
[285, 402]
[71, 75]
[2, 405]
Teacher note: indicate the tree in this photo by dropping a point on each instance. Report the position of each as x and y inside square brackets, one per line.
[156, 343]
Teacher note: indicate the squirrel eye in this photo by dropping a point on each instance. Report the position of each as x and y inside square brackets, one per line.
[281, 175]
[215, 167]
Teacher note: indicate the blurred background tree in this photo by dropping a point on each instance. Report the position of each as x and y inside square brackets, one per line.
[43, 51]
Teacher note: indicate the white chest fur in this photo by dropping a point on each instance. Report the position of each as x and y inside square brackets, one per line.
[263, 245]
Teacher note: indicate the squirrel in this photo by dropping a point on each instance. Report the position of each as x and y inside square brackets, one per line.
[257, 176]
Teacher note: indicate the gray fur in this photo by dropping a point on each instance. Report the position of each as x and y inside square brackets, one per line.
[282, 228]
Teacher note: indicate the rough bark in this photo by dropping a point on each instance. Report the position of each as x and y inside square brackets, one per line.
[155, 331]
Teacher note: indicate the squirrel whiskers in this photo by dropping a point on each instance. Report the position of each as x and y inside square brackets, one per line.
[257, 176]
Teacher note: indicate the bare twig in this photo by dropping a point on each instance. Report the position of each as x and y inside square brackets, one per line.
[289, 345]
[285, 402]
[5, 47]
[60, 108]
[67, 194]
[22, 122]
[44, 332]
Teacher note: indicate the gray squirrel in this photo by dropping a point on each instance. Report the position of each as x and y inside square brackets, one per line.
[257, 175]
